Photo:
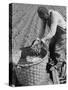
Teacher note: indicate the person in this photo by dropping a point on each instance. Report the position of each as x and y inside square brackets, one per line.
[57, 30]
[54, 19]
[44, 20]
[56, 37]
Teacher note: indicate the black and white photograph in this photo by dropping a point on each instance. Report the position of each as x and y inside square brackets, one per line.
[37, 45]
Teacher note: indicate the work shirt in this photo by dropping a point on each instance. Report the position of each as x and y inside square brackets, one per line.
[56, 20]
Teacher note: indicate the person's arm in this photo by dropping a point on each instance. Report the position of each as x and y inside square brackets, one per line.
[52, 31]
[53, 26]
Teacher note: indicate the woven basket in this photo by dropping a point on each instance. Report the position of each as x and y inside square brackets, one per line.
[33, 74]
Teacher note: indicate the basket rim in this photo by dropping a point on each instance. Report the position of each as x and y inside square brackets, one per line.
[32, 63]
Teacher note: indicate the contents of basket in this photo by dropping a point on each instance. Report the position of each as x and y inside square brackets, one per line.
[33, 53]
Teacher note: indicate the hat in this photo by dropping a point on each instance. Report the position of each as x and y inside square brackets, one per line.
[43, 12]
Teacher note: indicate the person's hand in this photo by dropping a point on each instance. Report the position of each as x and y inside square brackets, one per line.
[45, 40]
[36, 46]
[35, 43]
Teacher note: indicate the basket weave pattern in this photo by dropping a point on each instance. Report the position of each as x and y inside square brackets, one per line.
[33, 75]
